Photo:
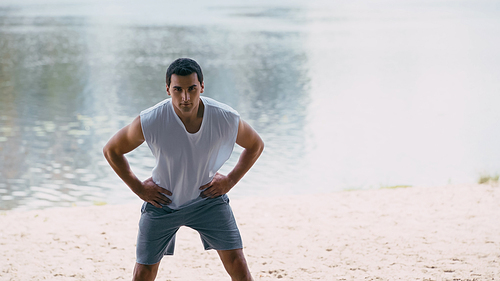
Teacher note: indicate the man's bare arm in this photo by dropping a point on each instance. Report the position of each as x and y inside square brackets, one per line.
[253, 146]
[124, 141]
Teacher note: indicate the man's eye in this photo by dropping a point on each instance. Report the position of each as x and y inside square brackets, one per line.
[192, 88]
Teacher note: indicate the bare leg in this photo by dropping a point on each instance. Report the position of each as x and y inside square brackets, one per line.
[143, 272]
[235, 264]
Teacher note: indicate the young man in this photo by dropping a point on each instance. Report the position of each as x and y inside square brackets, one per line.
[191, 138]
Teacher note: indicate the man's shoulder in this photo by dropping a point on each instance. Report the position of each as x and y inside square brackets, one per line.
[162, 105]
[219, 106]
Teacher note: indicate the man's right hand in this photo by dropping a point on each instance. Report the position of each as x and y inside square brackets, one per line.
[154, 194]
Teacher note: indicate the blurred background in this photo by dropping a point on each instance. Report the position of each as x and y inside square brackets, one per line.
[346, 94]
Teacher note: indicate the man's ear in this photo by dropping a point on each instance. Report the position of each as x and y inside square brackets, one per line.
[168, 90]
[202, 87]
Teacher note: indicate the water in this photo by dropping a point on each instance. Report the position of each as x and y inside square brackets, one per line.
[346, 94]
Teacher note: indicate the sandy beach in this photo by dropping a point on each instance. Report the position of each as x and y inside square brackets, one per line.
[417, 233]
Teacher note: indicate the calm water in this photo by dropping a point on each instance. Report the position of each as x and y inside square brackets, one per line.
[346, 95]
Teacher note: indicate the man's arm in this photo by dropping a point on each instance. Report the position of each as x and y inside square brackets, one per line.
[124, 141]
[253, 146]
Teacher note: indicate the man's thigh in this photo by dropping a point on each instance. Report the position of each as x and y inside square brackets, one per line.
[156, 237]
[216, 224]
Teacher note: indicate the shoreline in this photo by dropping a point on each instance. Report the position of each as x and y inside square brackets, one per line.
[416, 233]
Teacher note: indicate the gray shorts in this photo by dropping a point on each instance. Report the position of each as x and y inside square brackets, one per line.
[212, 218]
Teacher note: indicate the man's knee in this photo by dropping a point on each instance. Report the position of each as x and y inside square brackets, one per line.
[145, 272]
[235, 263]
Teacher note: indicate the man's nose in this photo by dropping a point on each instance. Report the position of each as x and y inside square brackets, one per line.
[185, 96]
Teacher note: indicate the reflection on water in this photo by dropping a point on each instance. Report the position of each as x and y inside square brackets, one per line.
[345, 96]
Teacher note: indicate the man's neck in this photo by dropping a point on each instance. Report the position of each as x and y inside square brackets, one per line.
[192, 122]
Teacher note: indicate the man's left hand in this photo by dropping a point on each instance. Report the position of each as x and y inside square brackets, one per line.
[219, 185]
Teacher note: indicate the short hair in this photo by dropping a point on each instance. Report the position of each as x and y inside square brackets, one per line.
[184, 67]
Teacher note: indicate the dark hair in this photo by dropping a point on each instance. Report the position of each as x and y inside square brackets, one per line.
[184, 67]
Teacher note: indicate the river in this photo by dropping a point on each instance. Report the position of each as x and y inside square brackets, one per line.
[346, 94]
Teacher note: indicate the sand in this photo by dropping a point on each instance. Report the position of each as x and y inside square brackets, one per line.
[417, 233]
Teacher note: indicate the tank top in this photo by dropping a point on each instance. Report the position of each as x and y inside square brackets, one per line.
[185, 161]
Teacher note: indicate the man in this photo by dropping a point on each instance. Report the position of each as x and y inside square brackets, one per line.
[191, 137]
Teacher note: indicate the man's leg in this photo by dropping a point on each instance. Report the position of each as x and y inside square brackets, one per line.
[235, 264]
[143, 272]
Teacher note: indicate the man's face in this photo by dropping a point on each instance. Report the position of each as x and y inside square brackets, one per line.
[185, 92]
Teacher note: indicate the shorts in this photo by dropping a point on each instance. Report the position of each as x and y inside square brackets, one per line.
[212, 218]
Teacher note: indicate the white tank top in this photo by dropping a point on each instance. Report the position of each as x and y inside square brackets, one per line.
[186, 161]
